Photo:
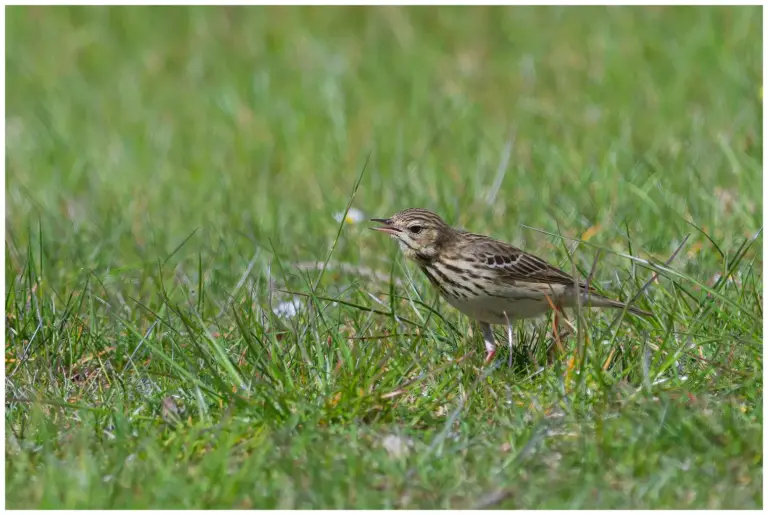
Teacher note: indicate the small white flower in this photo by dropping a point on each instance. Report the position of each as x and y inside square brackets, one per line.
[396, 446]
[288, 309]
[353, 216]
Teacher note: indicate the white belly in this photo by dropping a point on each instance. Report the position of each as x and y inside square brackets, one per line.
[495, 310]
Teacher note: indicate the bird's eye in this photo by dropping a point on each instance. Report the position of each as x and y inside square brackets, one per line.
[415, 229]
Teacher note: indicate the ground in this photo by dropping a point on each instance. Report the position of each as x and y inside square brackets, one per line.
[178, 178]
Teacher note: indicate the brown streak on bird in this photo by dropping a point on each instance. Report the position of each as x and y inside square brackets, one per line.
[488, 280]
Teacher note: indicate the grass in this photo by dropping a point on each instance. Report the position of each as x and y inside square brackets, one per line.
[169, 169]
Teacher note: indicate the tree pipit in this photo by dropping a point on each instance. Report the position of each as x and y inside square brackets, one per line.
[488, 280]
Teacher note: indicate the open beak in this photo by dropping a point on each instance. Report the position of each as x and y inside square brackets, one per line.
[387, 227]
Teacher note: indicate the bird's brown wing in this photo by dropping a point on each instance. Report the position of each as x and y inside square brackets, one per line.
[515, 265]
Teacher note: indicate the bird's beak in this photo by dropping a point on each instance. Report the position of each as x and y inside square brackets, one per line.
[387, 227]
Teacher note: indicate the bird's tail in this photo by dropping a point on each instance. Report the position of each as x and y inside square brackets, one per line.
[598, 301]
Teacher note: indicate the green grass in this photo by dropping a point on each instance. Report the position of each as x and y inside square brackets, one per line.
[168, 169]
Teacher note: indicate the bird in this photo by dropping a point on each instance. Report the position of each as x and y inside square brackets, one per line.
[490, 281]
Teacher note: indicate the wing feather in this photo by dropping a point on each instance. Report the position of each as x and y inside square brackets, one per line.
[514, 264]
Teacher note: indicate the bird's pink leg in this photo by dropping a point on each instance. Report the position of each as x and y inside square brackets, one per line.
[490, 345]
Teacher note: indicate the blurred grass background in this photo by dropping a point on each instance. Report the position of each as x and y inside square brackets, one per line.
[167, 167]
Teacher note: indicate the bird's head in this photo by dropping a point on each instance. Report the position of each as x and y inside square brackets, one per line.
[419, 232]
